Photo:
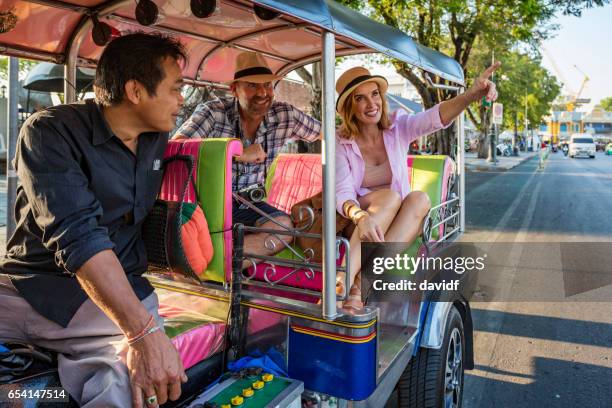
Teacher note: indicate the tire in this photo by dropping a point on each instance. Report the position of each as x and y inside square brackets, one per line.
[592, 157]
[430, 380]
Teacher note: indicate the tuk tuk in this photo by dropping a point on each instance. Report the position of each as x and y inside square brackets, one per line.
[419, 348]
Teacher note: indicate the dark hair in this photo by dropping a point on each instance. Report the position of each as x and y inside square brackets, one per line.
[136, 56]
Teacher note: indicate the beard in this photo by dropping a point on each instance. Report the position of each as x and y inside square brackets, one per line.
[256, 107]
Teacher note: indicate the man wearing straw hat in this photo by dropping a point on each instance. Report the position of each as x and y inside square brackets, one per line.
[264, 126]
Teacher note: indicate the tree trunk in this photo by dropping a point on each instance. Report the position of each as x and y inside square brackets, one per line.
[483, 140]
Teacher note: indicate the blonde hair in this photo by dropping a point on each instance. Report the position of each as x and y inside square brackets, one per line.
[349, 128]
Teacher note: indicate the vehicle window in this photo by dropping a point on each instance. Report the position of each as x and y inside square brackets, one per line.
[582, 140]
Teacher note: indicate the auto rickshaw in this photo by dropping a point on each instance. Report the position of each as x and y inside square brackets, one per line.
[418, 348]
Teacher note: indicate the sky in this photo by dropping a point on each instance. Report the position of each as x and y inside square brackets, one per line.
[586, 42]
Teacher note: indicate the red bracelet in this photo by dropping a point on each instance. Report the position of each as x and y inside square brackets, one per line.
[140, 333]
[145, 334]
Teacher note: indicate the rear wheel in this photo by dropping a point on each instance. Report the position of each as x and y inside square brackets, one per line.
[434, 378]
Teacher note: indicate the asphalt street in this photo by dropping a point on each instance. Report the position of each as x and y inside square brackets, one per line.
[554, 353]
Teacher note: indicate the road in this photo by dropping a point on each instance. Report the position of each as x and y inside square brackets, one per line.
[542, 354]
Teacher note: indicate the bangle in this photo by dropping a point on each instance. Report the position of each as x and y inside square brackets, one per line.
[143, 335]
[356, 216]
[144, 329]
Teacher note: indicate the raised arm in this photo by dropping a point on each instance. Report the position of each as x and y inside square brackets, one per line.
[482, 86]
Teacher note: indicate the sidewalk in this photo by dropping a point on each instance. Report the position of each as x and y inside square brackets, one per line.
[472, 163]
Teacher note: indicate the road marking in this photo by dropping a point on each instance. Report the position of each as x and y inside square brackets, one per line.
[488, 340]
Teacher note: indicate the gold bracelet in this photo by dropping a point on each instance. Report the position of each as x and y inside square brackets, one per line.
[355, 216]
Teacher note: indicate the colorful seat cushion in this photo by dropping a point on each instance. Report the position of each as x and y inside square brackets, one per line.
[196, 324]
[432, 175]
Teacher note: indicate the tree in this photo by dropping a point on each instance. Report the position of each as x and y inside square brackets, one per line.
[24, 67]
[606, 103]
[522, 82]
[456, 27]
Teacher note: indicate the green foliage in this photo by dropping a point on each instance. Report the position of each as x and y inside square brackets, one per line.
[606, 103]
[523, 82]
[474, 29]
[24, 67]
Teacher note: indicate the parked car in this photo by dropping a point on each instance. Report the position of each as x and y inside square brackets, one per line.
[582, 144]
[609, 149]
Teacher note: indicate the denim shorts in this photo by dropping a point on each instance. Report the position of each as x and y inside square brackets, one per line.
[250, 217]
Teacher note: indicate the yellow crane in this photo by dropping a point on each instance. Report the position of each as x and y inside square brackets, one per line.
[577, 100]
[573, 99]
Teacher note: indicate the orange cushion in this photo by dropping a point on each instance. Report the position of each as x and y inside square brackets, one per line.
[195, 235]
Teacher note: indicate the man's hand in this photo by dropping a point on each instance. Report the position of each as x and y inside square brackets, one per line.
[153, 363]
[252, 154]
[155, 369]
[482, 86]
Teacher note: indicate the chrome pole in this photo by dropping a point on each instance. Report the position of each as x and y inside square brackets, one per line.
[13, 130]
[460, 130]
[70, 80]
[328, 159]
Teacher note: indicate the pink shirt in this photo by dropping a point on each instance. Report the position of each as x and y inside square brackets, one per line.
[404, 129]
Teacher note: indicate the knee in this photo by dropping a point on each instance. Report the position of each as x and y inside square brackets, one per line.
[419, 201]
[388, 198]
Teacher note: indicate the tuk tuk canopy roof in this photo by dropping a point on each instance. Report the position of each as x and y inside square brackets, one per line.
[53, 30]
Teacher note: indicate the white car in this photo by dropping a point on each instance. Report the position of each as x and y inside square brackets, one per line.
[582, 144]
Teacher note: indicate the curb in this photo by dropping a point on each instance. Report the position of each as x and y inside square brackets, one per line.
[496, 168]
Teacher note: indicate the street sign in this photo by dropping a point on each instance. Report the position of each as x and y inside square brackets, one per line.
[498, 113]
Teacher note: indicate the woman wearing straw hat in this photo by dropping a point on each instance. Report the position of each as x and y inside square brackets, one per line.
[372, 187]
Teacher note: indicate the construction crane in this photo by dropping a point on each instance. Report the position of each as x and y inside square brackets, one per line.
[576, 101]
[573, 99]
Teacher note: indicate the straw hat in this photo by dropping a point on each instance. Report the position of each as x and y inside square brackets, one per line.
[252, 67]
[351, 79]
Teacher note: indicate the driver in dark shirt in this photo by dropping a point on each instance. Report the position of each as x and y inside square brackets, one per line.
[71, 279]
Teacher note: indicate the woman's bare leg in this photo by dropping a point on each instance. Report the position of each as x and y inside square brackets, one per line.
[405, 226]
[382, 205]
[408, 222]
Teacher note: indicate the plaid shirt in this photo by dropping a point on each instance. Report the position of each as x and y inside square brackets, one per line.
[283, 122]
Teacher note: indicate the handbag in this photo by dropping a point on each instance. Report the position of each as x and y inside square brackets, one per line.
[315, 244]
[176, 235]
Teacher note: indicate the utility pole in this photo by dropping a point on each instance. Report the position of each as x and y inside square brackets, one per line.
[527, 126]
[493, 136]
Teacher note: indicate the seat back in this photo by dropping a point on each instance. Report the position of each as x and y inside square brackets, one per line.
[432, 175]
[293, 178]
[213, 181]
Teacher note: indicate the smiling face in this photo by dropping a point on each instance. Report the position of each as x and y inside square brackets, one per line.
[367, 104]
[254, 98]
[159, 112]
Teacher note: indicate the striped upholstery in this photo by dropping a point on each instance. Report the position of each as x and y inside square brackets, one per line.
[176, 171]
[293, 178]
